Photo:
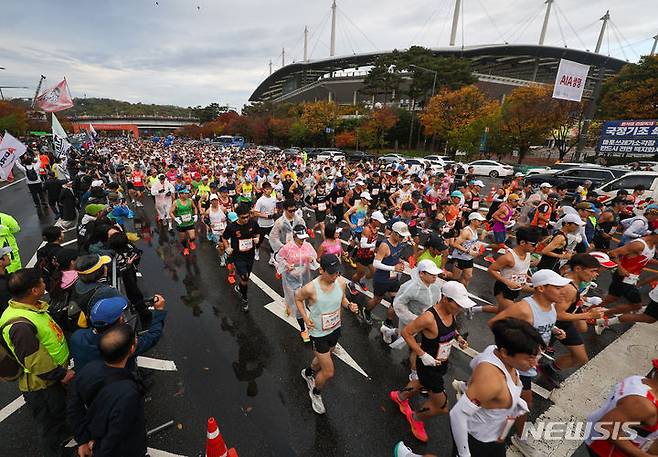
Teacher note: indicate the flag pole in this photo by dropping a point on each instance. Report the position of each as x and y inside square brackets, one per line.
[36, 94]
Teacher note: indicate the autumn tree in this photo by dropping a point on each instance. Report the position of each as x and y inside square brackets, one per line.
[318, 116]
[373, 131]
[346, 139]
[13, 118]
[632, 93]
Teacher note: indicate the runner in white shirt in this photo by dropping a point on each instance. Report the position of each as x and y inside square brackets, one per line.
[265, 211]
[216, 221]
[163, 191]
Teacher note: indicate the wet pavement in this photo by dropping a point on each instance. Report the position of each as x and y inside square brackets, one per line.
[244, 368]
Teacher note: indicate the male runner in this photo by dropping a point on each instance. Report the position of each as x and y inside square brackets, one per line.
[163, 191]
[240, 238]
[319, 302]
[184, 212]
[466, 249]
[265, 211]
[365, 254]
[438, 328]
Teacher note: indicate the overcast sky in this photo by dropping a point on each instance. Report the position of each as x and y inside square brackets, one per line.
[191, 52]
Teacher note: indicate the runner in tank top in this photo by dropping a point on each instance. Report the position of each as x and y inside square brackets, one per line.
[466, 249]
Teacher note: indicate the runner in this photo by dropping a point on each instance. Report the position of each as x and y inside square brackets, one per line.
[466, 249]
[556, 250]
[163, 191]
[483, 415]
[319, 303]
[240, 239]
[216, 221]
[438, 329]
[137, 191]
[281, 232]
[502, 219]
[265, 211]
[539, 311]
[365, 254]
[184, 212]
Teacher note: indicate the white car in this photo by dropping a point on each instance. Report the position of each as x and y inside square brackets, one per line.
[490, 168]
[330, 155]
[648, 179]
[537, 171]
[416, 165]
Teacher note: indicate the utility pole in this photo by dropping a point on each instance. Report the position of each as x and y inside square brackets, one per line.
[270, 67]
[332, 46]
[305, 44]
[605, 19]
[455, 22]
[653, 48]
[283, 57]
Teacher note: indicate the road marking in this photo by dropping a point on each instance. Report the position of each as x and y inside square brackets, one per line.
[66, 243]
[277, 307]
[156, 364]
[11, 408]
[15, 182]
[158, 453]
[33, 260]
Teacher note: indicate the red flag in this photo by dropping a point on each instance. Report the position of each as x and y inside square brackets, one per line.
[55, 99]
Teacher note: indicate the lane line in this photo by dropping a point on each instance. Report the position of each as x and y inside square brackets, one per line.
[158, 453]
[33, 260]
[15, 182]
[156, 364]
[66, 243]
[277, 307]
[11, 408]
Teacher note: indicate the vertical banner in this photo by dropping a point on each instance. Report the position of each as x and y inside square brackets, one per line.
[10, 150]
[570, 80]
[60, 143]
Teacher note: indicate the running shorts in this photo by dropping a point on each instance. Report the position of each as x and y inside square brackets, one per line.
[501, 288]
[618, 288]
[323, 344]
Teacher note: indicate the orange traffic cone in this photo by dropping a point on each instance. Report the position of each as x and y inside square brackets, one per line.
[215, 446]
[232, 452]
[492, 192]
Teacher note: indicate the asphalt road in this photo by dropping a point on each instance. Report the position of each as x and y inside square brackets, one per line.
[244, 369]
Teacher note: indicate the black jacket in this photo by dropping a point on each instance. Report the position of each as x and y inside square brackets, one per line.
[106, 405]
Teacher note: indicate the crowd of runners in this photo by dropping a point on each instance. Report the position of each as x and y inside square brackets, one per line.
[406, 240]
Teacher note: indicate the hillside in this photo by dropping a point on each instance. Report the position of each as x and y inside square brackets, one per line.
[108, 107]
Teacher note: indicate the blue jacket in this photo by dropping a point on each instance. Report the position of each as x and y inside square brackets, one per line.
[83, 344]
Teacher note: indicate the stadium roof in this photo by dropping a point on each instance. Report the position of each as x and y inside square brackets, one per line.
[506, 60]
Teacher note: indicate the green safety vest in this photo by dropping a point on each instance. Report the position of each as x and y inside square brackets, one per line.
[49, 333]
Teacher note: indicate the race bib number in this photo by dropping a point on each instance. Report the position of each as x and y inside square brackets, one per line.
[138, 180]
[330, 320]
[359, 223]
[433, 206]
[231, 192]
[375, 191]
[339, 200]
[245, 245]
[444, 351]
[631, 279]
[322, 206]
[393, 275]
[475, 204]
[520, 279]
[186, 218]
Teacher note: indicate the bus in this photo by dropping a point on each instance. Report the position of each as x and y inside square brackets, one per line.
[231, 141]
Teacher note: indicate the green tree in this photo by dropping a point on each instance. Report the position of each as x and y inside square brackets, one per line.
[632, 93]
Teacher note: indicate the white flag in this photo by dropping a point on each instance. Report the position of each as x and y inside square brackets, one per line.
[60, 143]
[92, 130]
[10, 150]
[570, 80]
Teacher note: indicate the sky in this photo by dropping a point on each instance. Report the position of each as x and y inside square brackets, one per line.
[196, 52]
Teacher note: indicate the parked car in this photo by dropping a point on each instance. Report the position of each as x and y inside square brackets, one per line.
[490, 168]
[356, 156]
[538, 170]
[330, 155]
[291, 152]
[438, 160]
[391, 158]
[575, 177]
[648, 179]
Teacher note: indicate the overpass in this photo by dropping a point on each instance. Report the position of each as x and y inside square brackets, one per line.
[132, 124]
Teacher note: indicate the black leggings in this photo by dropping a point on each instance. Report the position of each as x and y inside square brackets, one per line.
[133, 291]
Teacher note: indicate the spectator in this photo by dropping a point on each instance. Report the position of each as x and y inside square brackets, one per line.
[47, 254]
[39, 346]
[68, 214]
[107, 313]
[53, 187]
[106, 403]
[8, 229]
[31, 166]
[5, 260]
[92, 285]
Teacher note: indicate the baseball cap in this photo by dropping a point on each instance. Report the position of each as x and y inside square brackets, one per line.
[161, 176]
[107, 311]
[232, 216]
[365, 195]
[545, 185]
[476, 216]
[457, 193]
[428, 266]
[587, 206]
[330, 263]
[401, 229]
[572, 218]
[213, 197]
[300, 231]
[513, 197]
[5, 250]
[87, 264]
[378, 216]
[603, 259]
[547, 277]
[457, 293]
[477, 183]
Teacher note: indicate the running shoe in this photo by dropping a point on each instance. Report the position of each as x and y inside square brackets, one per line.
[222, 261]
[402, 404]
[305, 337]
[352, 288]
[316, 402]
[400, 450]
[192, 245]
[257, 255]
[523, 446]
[363, 285]
[365, 314]
[311, 233]
[600, 326]
[272, 261]
[231, 278]
[413, 375]
[310, 380]
[417, 426]
[459, 387]
[387, 333]
[139, 204]
[186, 251]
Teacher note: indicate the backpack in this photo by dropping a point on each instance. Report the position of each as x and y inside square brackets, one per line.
[10, 369]
[31, 174]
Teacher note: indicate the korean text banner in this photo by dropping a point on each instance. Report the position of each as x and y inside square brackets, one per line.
[570, 80]
[629, 137]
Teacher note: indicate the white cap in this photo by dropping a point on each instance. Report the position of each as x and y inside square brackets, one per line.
[603, 259]
[97, 183]
[428, 266]
[401, 229]
[478, 183]
[545, 185]
[573, 219]
[378, 216]
[5, 250]
[365, 195]
[547, 277]
[406, 181]
[213, 197]
[476, 216]
[457, 292]
[518, 174]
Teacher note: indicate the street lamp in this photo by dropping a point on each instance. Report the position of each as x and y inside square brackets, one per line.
[431, 71]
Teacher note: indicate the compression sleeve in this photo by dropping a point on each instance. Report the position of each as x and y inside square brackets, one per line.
[459, 415]
[365, 245]
[380, 266]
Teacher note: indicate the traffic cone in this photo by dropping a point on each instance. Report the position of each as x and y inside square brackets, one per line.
[232, 452]
[215, 446]
[492, 192]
